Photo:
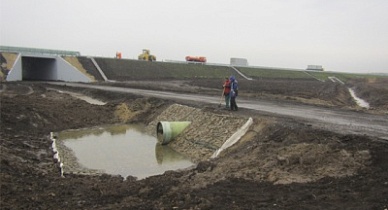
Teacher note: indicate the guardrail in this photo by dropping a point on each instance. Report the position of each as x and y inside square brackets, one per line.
[37, 51]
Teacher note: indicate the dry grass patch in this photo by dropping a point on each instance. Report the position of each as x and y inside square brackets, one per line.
[75, 62]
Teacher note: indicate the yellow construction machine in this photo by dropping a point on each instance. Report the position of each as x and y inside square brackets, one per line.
[146, 56]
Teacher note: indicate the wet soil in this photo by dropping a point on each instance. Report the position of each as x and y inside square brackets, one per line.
[280, 163]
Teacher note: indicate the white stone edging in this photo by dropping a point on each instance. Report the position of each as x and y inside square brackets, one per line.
[56, 153]
[359, 101]
[234, 138]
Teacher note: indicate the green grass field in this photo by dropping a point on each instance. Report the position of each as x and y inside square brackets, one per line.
[299, 74]
[121, 69]
[134, 69]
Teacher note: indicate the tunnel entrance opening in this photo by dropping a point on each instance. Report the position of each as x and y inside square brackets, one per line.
[45, 68]
[35, 68]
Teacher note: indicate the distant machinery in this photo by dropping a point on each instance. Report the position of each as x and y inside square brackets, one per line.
[199, 59]
[315, 68]
[146, 56]
[238, 62]
[118, 55]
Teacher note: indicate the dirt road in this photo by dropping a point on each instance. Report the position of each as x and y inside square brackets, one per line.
[290, 162]
[346, 122]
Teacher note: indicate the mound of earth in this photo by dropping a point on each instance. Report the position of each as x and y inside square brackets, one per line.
[279, 162]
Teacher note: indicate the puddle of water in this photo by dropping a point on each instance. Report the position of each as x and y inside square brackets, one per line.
[119, 150]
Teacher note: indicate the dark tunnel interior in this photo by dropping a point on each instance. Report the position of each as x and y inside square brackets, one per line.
[35, 68]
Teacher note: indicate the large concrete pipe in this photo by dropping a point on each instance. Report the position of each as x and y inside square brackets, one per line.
[166, 131]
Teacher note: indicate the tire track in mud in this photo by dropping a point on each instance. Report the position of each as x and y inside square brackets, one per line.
[22, 90]
[341, 121]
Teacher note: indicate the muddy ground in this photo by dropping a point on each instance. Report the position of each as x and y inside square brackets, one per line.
[279, 164]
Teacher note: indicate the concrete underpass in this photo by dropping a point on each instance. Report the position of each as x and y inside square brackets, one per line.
[45, 68]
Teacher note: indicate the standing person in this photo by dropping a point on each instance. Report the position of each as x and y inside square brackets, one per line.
[233, 93]
[226, 87]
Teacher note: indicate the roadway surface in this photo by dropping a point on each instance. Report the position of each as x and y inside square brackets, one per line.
[342, 121]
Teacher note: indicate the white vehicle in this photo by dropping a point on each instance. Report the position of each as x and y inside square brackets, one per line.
[314, 68]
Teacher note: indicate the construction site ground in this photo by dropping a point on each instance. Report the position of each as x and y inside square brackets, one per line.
[280, 163]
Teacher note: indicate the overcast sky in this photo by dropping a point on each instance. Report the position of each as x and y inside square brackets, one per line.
[340, 35]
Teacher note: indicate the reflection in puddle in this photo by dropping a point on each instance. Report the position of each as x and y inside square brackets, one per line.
[118, 149]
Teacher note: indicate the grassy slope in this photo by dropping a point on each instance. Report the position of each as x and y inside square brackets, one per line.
[126, 69]
[267, 80]
[10, 60]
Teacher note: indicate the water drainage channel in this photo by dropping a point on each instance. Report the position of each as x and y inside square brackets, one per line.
[360, 102]
[115, 149]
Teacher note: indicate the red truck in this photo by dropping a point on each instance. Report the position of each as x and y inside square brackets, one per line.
[196, 59]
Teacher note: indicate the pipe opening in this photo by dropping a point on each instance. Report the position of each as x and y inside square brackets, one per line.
[167, 131]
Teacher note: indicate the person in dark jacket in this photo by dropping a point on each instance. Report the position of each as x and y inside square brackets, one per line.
[233, 93]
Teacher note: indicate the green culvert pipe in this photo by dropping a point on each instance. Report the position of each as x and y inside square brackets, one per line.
[167, 131]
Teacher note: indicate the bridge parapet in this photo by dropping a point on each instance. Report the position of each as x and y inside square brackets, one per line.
[38, 51]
